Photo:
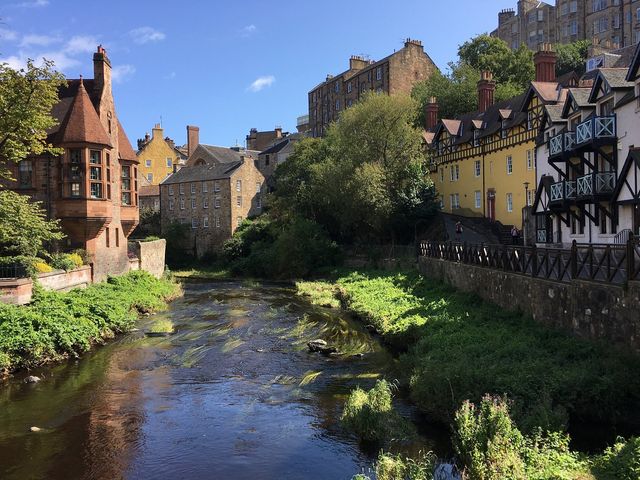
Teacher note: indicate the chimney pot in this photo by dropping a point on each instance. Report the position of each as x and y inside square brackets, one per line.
[486, 90]
[431, 114]
[545, 62]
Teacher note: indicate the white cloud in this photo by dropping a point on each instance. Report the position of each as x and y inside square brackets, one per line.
[121, 73]
[144, 35]
[81, 44]
[248, 30]
[61, 60]
[170, 76]
[261, 83]
[8, 35]
[34, 3]
[38, 41]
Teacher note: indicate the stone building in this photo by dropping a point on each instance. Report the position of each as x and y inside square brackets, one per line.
[92, 187]
[610, 23]
[149, 197]
[259, 141]
[159, 157]
[397, 73]
[276, 154]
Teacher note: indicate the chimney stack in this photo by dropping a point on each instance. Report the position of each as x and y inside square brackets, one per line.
[278, 132]
[545, 61]
[156, 131]
[486, 90]
[193, 138]
[431, 114]
[101, 71]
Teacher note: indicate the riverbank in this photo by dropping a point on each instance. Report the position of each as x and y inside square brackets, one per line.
[457, 347]
[59, 325]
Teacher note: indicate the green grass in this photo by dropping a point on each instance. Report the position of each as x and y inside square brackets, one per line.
[319, 293]
[204, 274]
[61, 325]
[164, 325]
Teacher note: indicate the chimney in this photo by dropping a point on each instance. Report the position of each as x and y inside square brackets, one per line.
[545, 62]
[101, 71]
[156, 131]
[486, 89]
[357, 62]
[278, 132]
[431, 114]
[193, 138]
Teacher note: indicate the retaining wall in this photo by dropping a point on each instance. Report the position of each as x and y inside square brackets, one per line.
[590, 310]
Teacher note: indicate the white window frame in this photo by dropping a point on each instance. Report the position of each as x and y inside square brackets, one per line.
[478, 198]
[379, 73]
[194, 223]
[181, 203]
[216, 186]
[217, 219]
[147, 163]
[181, 188]
[239, 201]
[170, 189]
[171, 203]
[205, 202]
[509, 202]
[205, 222]
[509, 164]
[529, 159]
[193, 188]
[477, 168]
[216, 202]
[258, 187]
[169, 162]
[238, 185]
[193, 204]
[205, 187]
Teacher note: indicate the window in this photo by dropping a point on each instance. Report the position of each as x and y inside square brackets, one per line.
[599, 5]
[349, 87]
[441, 174]
[379, 73]
[25, 173]
[637, 15]
[601, 25]
[95, 173]
[336, 87]
[238, 185]
[181, 203]
[205, 202]
[476, 138]
[573, 6]
[217, 221]
[96, 190]
[441, 201]
[529, 159]
[117, 237]
[170, 189]
[337, 104]
[239, 221]
[349, 102]
[181, 188]
[454, 173]
[509, 165]
[216, 186]
[194, 223]
[193, 204]
[503, 129]
[126, 185]
[573, 27]
[169, 162]
[509, 202]
[258, 187]
[106, 237]
[193, 188]
[205, 187]
[147, 163]
[529, 120]
[530, 197]
[156, 204]
[616, 23]
[266, 159]
[478, 194]
[75, 189]
[171, 204]
[150, 177]
[239, 201]
[205, 222]
[540, 15]
[477, 168]
[216, 202]
[454, 199]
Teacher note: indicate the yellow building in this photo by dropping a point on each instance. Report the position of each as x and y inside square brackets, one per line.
[484, 163]
[158, 156]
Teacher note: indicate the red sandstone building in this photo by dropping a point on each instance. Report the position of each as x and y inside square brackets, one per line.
[92, 187]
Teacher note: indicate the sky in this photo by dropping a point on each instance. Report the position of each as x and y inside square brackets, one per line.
[228, 66]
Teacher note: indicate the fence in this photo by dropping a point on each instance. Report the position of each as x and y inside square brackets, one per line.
[13, 271]
[613, 263]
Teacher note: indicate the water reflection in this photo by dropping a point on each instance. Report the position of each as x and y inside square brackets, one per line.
[232, 394]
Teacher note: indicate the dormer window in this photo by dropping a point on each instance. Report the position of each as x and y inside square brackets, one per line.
[503, 129]
[476, 138]
[529, 120]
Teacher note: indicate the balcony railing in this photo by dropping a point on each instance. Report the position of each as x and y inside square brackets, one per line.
[562, 143]
[596, 128]
[596, 184]
[563, 191]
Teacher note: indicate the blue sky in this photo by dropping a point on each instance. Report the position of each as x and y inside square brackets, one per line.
[228, 66]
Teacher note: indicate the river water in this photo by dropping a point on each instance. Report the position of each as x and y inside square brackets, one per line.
[232, 394]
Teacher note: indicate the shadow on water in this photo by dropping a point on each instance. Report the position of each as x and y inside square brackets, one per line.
[232, 393]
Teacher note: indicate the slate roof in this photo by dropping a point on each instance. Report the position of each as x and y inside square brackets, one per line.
[548, 91]
[555, 112]
[276, 147]
[213, 153]
[149, 191]
[616, 77]
[81, 123]
[203, 172]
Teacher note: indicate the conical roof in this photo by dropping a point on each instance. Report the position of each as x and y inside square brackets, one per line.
[82, 124]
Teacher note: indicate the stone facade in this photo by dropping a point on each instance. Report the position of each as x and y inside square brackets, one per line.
[259, 141]
[609, 23]
[150, 256]
[395, 74]
[158, 156]
[595, 311]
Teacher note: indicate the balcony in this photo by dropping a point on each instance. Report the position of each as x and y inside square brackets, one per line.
[596, 186]
[563, 192]
[562, 144]
[596, 130]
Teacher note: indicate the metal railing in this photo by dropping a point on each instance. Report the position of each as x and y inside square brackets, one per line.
[596, 128]
[564, 190]
[13, 271]
[561, 143]
[615, 264]
[603, 183]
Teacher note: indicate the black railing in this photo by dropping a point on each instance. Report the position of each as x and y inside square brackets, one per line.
[613, 263]
[13, 271]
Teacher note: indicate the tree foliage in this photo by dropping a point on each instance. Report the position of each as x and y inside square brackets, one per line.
[26, 99]
[572, 57]
[24, 229]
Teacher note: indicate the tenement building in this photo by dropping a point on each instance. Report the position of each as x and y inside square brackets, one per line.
[588, 179]
[211, 195]
[614, 23]
[483, 162]
[397, 73]
[91, 187]
[159, 157]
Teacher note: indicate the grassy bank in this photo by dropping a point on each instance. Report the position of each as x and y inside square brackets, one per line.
[61, 325]
[459, 348]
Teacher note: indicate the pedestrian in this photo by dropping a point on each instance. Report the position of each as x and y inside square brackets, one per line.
[458, 231]
[515, 235]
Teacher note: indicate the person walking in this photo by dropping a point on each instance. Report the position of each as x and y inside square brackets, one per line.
[458, 231]
[515, 235]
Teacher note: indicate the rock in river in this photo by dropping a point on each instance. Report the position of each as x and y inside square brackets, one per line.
[35, 429]
[321, 346]
[31, 379]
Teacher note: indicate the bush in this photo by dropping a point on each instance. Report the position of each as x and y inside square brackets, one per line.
[371, 415]
[76, 258]
[619, 462]
[41, 266]
[63, 261]
[396, 467]
[27, 263]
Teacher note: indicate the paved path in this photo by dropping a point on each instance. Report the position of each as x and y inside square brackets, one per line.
[469, 234]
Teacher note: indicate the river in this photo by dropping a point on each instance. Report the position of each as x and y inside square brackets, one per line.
[232, 394]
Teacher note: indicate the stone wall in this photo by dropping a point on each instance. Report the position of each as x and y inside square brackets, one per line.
[596, 311]
[151, 256]
[19, 291]
[16, 291]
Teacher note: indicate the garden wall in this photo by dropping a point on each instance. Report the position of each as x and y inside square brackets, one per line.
[591, 310]
[18, 291]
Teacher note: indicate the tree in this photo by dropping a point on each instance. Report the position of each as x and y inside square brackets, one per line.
[26, 99]
[24, 229]
[572, 57]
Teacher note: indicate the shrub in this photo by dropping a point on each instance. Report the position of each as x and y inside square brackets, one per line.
[619, 462]
[77, 259]
[41, 266]
[151, 238]
[63, 261]
[27, 263]
[396, 467]
[371, 415]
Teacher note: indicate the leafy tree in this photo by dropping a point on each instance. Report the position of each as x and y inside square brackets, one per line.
[24, 229]
[26, 99]
[572, 57]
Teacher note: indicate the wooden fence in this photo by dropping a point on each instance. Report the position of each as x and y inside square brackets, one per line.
[610, 263]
